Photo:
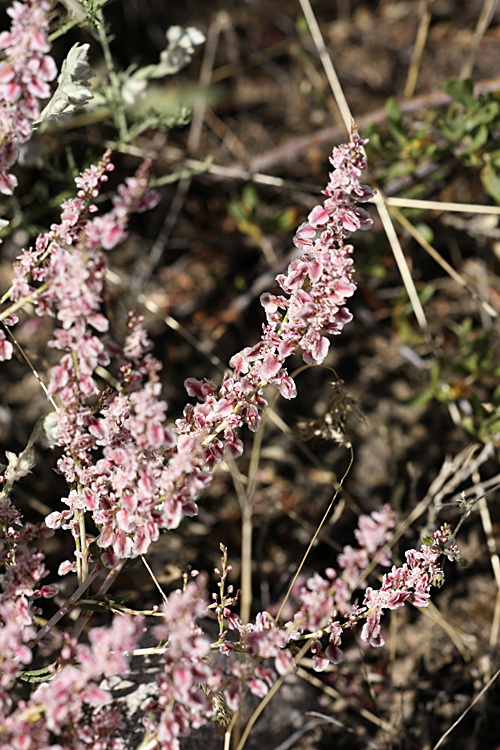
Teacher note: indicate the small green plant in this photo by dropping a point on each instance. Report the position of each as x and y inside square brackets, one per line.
[466, 373]
[465, 133]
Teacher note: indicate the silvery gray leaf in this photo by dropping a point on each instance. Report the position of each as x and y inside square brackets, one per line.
[73, 89]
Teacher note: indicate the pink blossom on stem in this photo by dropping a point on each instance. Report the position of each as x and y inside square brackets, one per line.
[6, 348]
[411, 582]
[182, 702]
[316, 287]
[22, 570]
[61, 705]
[149, 476]
[25, 73]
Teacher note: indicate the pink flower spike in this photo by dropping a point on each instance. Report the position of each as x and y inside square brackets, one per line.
[24, 77]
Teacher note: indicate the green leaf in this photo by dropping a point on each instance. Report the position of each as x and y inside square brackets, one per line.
[39, 675]
[453, 126]
[286, 220]
[491, 182]
[486, 114]
[426, 231]
[468, 425]
[250, 198]
[420, 400]
[395, 119]
[236, 210]
[475, 141]
[461, 91]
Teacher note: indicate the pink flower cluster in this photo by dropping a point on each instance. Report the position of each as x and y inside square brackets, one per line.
[411, 582]
[148, 475]
[24, 79]
[23, 570]
[61, 707]
[316, 288]
[318, 601]
[182, 701]
[63, 277]
[134, 475]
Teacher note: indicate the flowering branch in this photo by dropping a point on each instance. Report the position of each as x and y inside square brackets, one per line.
[24, 79]
[134, 476]
[150, 475]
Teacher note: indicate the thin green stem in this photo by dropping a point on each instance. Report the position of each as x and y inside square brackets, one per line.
[17, 305]
[69, 604]
[76, 537]
[117, 101]
[83, 545]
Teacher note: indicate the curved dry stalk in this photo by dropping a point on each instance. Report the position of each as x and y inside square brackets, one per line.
[315, 536]
[469, 708]
[266, 699]
[154, 579]
[23, 354]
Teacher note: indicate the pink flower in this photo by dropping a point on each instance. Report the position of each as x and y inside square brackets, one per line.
[412, 582]
[6, 348]
[24, 79]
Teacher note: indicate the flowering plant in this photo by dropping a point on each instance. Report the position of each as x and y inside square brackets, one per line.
[131, 475]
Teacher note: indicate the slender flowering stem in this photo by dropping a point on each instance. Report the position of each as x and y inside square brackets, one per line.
[25, 73]
[129, 476]
[131, 500]
[316, 287]
[149, 475]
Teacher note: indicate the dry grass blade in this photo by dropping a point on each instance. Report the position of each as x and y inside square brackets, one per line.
[397, 250]
[378, 199]
[465, 208]
[326, 61]
[469, 708]
[71, 602]
[85, 616]
[335, 694]
[291, 741]
[418, 49]
[330, 720]
[457, 637]
[484, 20]
[491, 543]
[442, 262]
[221, 23]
